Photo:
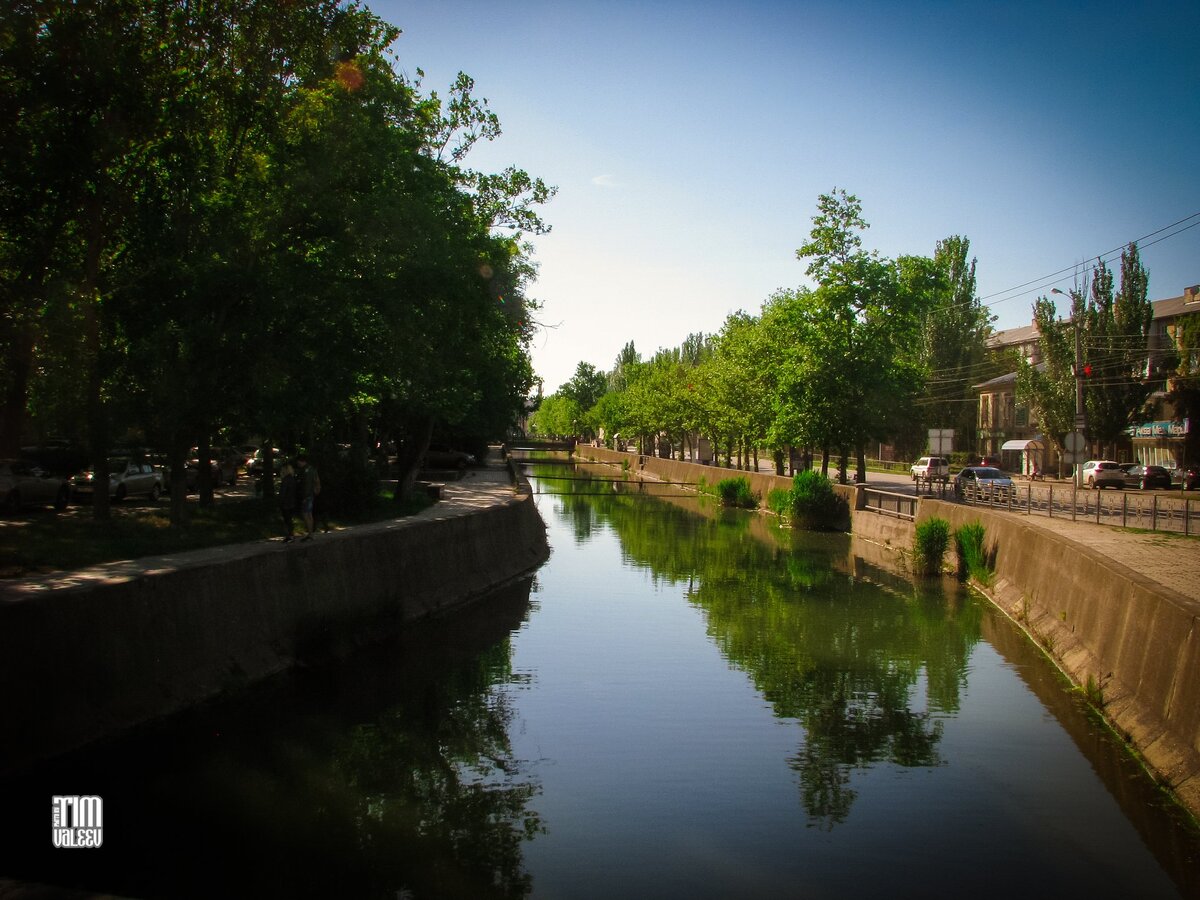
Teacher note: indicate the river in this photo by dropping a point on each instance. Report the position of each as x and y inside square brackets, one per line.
[683, 702]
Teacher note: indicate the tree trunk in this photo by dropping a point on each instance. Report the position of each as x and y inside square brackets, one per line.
[411, 452]
[861, 475]
[177, 463]
[204, 476]
[778, 455]
[16, 394]
[825, 460]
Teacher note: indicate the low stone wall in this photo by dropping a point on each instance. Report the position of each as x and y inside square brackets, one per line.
[82, 662]
[1130, 642]
[690, 473]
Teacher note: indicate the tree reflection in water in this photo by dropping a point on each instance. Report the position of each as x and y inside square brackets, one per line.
[866, 671]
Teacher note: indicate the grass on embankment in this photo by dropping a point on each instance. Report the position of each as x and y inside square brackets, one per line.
[45, 542]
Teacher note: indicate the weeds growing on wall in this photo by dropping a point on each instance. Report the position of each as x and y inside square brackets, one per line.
[736, 492]
[972, 557]
[932, 539]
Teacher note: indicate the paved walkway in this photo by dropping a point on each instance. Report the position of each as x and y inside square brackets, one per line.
[478, 489]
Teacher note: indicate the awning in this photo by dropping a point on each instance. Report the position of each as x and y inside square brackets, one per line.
[1031, 444]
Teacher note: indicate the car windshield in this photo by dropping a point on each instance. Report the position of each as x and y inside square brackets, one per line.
[118, 464]
[989, 473]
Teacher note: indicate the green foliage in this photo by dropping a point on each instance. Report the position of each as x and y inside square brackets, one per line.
[293, 255]
[736, 492]
[779, 501]
[932, 538]
[972, 556]
[813, 504]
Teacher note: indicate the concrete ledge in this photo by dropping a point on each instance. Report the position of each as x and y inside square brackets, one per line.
[119, 645]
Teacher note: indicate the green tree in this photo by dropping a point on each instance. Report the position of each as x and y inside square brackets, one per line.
[953, 328]
[858, 327]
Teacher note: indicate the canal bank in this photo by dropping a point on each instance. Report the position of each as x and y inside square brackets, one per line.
[87, 654]
[1126, 639]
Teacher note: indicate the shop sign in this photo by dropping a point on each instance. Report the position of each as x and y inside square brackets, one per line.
[1159, 429]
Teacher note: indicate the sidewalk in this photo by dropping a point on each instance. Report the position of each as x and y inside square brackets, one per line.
[1167, 558]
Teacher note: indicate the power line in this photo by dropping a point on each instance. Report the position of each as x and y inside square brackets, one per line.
[1044, 281]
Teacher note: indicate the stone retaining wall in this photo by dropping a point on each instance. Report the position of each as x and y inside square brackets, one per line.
[1130, 642]
[86, 661]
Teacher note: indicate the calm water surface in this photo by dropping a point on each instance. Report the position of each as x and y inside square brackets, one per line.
[684, 702]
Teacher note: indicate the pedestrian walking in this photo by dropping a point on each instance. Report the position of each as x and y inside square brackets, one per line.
[287, 500]
[310, 486]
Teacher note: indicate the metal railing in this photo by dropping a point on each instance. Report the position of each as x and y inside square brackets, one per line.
[1128, 509]
[889, 503]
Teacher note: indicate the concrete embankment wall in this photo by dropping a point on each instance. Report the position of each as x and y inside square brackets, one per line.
[1134, 640]
[85, 661]
[1130, 641]
[689, 473]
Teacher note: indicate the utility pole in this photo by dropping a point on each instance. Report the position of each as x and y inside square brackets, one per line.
[1080, 409]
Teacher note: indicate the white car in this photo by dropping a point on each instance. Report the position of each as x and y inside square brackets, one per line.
[931, 468]
[1102, 473]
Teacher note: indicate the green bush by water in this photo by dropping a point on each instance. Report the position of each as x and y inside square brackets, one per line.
[972, 557]
[932, 539]
[736, 492]
[813, 503]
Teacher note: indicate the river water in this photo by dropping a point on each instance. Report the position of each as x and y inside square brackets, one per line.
[683, 702]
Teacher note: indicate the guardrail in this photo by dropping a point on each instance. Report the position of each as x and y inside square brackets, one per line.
[1127, 509]
[889, 503]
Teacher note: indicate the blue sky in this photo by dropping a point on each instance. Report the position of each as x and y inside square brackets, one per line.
[690, 140]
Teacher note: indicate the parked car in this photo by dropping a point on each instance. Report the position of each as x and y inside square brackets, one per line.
[254, 465]
[224, 464]
[1102, 473]
[1187, 477]
[438, 457]
[125, 477]
[931, 468]
[1145, 477]
[25, 483]
[983, 483]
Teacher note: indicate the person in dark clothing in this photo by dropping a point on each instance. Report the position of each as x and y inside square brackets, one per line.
[287, 500]
[308, 486]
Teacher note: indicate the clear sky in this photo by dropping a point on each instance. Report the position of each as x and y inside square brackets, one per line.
[690, 140]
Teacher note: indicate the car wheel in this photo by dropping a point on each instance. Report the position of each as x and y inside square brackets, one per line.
[1091, 483]
[63, 498]
[120, 495]
[155, 492]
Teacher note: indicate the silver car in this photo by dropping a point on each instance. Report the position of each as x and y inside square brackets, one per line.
[983, 483]
[24, 483]
[125, 477]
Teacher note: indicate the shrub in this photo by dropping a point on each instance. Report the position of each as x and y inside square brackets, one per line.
[779, 501]
[972, 558]
[933, 536]
[815, 505]
[736, 492]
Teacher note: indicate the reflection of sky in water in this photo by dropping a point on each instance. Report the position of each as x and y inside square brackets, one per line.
[665, 771]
